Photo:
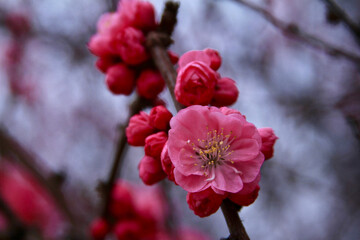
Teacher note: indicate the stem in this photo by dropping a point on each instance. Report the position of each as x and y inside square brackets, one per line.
[157, 43]
[138, 104]
[233, 221]
[292, 30]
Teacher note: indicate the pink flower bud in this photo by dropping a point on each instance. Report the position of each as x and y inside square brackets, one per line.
[128, 229]
[204, 203]
[192, 56]
[121, 204]
[138, 14]
[160, 118]
[131, 46]
[99, 229]
[18, 23]
[120, 79]
[101, 45]
[268, 139]
[150, 170]
[139, 128]
[245, 199]
[226, 93]
[166, 164]
[195, 84]
[215, 58]
[150, 84]
[154, 144]
[104, 63]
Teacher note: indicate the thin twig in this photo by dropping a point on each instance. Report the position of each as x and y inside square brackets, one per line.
[344, 17]
[157, 43]
[138, 104]
[292, 30]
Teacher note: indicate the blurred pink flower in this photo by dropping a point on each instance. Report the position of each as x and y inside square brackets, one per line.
[210, 149]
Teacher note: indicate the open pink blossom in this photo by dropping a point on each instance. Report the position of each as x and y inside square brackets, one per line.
[210, 149]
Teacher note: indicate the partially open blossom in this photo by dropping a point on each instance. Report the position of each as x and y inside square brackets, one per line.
[192, 56]
[268, 139]
[149, 84]
[154, 144]
[120, 79]
[204, 203]
[215, 58]
[99, 229]
[138, 129]
[195, 84]
[150, 170]
[212, 150]
[160, 118]
[130, 44]
[226, 92]
[166, 163]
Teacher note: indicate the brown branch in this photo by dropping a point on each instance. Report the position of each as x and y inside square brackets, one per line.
[9, 146]
[233, 221]
[157, 42]
[342, 15]
[292, 30]
[138, 104]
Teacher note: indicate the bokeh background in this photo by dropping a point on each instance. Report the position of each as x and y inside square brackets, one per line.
[55, 103]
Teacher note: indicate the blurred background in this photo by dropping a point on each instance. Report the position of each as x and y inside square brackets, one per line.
[54, 102]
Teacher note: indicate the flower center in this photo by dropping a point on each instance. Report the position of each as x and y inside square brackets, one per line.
[212, 151]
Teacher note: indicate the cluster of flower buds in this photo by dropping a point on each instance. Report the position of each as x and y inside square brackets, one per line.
[138, 213]
[198, 81]
[120, 45]
[150, 131]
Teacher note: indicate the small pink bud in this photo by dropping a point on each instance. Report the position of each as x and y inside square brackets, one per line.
[139, 128]
[226, 93]
[120, 79]
[104, 63]
[128, 229]
[204, 203]
[160, 118]
[245, 199]
[166, 164]
[150, 170]
[101, 45]
[268, 139]
[149, 84]
[99, 229]
[154, 144]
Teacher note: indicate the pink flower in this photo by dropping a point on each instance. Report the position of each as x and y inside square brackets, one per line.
[120, 79]
[149, 84]
[160, 118]
[138, 14]
[99, 229]
[128, 229]
[210, 149]
[166, 164]
[195, 84]
[154, 144]
[195, 55]
[130, 44]
[150, 170]
[204, 203]
[268, 139]
[226, 93]
[139, 128]
[102, 45]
